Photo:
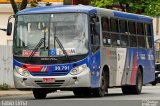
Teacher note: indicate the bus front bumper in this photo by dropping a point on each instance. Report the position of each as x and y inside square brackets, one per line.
[69, 81]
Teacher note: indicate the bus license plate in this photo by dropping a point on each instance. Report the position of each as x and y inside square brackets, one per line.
[48, 80]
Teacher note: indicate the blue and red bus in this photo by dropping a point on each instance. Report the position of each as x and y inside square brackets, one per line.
[83, 49]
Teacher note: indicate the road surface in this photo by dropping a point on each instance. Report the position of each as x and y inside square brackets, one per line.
[150, 97]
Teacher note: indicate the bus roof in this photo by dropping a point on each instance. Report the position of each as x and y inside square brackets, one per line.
[86, 9]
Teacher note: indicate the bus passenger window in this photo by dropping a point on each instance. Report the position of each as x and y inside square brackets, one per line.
[141, 41]
[149, 41]
[106, 39]
[148, 32]
[148, 36]
[105, 32]
[140, 29]
[122, 26]
[115, 40]
[114, 25]
[124, 40]
[133, 41]
[132, 28]
[105, 24]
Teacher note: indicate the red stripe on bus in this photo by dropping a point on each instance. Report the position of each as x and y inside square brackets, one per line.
[32, 68]
[134, 70]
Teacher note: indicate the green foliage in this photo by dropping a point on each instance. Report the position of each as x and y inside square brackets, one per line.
[48, 4]
[102, 3]
[146, 7]
[153, 8]
[34, 3]
[4, 86]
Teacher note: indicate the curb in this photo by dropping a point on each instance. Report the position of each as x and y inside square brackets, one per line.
[10, 93]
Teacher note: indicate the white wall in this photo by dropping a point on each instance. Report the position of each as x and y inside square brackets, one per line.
[5, 12]
[156, 25]
[6, 65]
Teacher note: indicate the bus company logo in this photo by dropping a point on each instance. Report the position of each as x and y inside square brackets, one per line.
[53, 52]
[149, 103]
[69, 51]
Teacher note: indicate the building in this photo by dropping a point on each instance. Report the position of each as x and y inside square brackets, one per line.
[156, 25]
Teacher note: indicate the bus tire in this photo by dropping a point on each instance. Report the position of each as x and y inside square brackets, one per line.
[100, 92]
[139, 82]
[77, 92]
[136, 89]
[82, 92]
[154, 83]
[126, 89]
[39, 93]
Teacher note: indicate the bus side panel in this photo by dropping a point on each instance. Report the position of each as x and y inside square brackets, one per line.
[130, 66]
[135, 58]
[95, 69]
[146, 59]
[109, 58]
[123, 64]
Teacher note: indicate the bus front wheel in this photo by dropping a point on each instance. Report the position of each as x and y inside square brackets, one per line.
[39, 93]
[100, 92]
[82, 92]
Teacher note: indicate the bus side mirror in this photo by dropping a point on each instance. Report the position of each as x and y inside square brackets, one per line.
[9, 25]
[9, 28]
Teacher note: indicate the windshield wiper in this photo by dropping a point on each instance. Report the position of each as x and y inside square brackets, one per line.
[60, 45]
[37, 46]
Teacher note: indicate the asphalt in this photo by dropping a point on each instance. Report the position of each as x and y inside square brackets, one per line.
[14, 92]
[150, 96]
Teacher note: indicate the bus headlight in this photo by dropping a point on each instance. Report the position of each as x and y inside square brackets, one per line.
[22, 71]
[78, 69]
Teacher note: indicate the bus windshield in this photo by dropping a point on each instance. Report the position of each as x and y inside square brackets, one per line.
[71, 29]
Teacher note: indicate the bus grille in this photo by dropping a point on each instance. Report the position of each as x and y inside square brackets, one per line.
[59, 73]
[53, 73]
[57, 83]
[40, 74]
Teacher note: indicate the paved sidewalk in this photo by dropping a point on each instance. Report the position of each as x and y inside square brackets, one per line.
[13, 92]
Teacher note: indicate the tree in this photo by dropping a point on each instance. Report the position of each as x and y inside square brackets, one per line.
[147, 7]
[75, 2]
[21, 6]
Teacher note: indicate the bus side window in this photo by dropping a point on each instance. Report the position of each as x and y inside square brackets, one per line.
[123, 33]
[114, 25]
[115, 39]
[95, 33]
[132, 34]
[148, 35]
[140, 33]
[105, 31]
[132, 27]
